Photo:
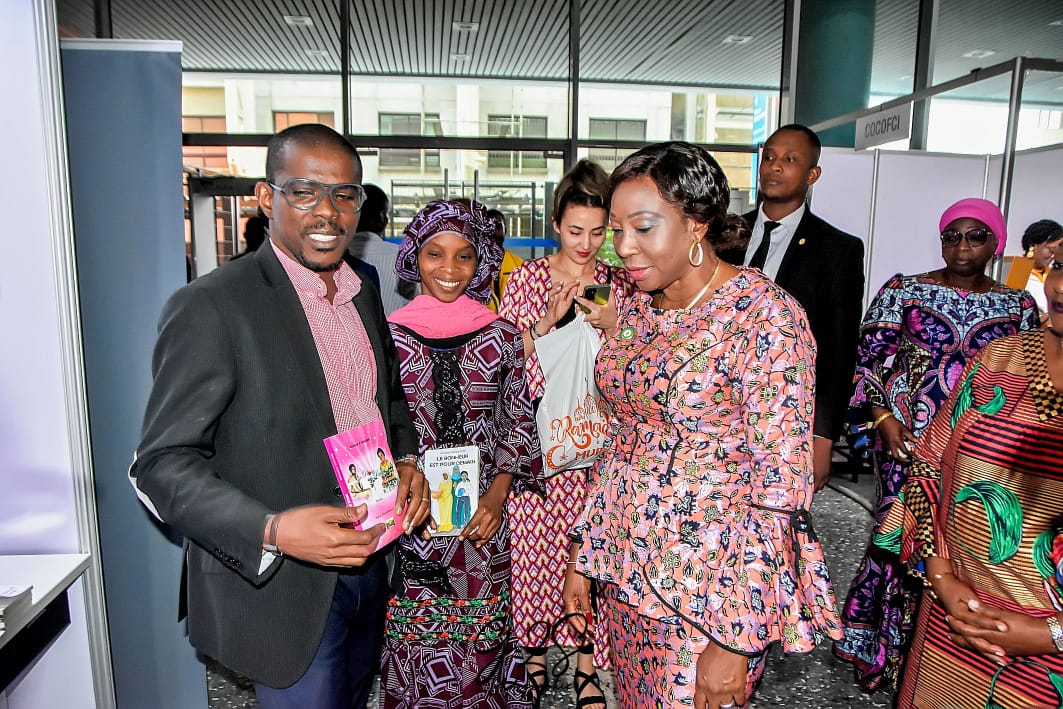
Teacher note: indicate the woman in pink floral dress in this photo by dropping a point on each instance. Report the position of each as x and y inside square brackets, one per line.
[538, 294]
[698, 521]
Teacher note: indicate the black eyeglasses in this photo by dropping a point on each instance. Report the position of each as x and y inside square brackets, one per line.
[975, 237]
[306, 194]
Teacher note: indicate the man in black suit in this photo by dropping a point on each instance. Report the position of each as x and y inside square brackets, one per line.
[821, 266]
[255, 364]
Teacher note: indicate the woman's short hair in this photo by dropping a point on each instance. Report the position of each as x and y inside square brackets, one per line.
[584, 185]
[1041, 232]
[690, 179]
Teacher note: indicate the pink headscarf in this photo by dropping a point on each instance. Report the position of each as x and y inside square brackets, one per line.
[984, 211]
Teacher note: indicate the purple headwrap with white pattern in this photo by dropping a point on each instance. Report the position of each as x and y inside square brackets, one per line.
[472, 224]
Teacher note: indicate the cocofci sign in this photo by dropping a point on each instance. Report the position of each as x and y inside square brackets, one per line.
[884, 126]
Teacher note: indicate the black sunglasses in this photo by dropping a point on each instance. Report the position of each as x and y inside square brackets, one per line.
[975, 237]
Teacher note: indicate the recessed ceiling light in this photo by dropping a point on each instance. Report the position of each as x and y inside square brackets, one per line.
[465, 26]
[298, 21]
[459, 57]
[979, 53]
[737, 38]
[317, 52]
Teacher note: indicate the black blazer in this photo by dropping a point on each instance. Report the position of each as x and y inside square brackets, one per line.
[233, 431]
[823, 268]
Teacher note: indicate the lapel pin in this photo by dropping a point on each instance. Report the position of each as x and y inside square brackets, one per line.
[800, 242]
[627, 333]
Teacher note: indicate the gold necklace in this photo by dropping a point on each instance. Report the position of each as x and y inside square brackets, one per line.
[704, 288]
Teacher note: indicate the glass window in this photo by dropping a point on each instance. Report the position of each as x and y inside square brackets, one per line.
[410, 124]
[523, 200]
[286, 119]
[256, 104]
[894, 49]
[614, 129]
[510, 126]
[214, 158]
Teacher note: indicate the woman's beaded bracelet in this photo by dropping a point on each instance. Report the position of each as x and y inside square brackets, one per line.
[411, 458]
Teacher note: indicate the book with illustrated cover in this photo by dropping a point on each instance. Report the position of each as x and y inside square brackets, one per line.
[15, 602]
[367, 476]
[453, 476]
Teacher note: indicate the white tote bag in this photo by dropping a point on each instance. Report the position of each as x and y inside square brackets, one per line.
[572, 418]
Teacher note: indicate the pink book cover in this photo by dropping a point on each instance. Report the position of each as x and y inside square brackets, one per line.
[367, 476]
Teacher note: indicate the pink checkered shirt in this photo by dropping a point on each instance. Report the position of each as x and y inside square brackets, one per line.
[342, 344]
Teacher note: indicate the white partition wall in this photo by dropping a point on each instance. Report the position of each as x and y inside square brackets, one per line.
[45, 471]
[912, 190]
[1036, 190]
[845, 190]
[893, 200]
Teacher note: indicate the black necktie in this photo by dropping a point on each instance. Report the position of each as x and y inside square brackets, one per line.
[761, 254]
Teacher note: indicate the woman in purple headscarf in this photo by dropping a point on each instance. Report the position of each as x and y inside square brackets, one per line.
[448, 635]
[916, 338]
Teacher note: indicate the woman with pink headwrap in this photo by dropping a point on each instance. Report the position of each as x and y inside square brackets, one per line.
[915, 340]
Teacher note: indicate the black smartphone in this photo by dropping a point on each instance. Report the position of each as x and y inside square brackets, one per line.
[598, 293]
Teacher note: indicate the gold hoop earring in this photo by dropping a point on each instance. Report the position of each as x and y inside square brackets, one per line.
[701, 254]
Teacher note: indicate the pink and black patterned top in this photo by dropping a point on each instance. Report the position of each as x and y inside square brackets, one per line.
[700, 507]
[524, 303]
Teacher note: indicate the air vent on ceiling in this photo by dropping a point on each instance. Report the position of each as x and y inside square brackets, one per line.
[298, 21]
[737, 38]
[465, 26]
[459, 57]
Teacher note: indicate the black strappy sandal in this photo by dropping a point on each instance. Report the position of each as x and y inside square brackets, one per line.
[580, 680]
[540, 671]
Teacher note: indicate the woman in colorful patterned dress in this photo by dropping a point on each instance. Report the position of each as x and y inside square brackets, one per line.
[979, 520]
[449, 640]
[539, 293]
[698, 521]
[917, 336]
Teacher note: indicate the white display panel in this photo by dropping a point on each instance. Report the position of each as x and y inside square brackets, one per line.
[39, 468]
[1036, 191]
[912, 191]
[843, 193]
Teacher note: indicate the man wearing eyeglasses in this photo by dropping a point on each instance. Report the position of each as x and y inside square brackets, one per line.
[255, 364]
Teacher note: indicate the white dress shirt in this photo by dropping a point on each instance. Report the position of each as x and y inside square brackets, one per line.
[781, 237]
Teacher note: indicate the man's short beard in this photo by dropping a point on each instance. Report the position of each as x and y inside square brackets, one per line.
[318, 267]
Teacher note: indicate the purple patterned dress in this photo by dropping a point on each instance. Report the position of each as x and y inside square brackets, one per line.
[915, 340]
[449, 639]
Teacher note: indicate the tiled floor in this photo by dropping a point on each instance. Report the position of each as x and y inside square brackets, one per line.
[798, 681]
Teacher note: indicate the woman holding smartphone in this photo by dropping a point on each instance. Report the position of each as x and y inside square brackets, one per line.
[541, 295]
